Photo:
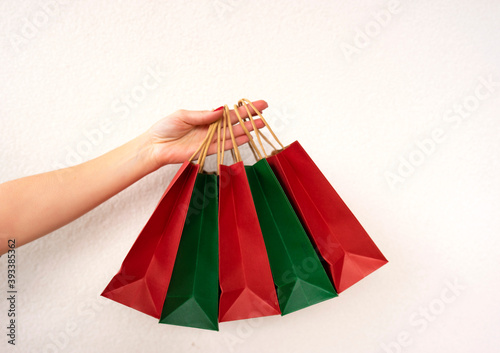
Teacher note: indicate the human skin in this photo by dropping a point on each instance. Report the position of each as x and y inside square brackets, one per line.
[36, 205]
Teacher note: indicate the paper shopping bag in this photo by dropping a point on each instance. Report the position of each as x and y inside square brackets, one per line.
[193, 293]
[247, 288]
[341, 240]
[299, 276]
[142, 281]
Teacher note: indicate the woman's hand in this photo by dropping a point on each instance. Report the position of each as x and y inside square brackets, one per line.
[175, 138]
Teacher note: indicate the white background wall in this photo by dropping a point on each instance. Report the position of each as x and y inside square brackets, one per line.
[67, 67]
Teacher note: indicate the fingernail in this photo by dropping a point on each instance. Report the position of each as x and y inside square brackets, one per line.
[220, 108]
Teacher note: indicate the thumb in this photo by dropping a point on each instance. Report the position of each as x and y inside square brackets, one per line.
[200, 117]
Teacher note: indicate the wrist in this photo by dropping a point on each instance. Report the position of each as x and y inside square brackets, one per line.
[144, 153]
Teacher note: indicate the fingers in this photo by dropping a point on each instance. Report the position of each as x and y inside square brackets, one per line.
[239, 134]
[239, 131]
[240, 140]
[260, 105]
[198, 117]
[204, 117]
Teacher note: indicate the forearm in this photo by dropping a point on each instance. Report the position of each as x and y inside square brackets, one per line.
[36, 205]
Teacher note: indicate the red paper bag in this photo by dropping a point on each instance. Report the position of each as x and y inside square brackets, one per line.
[341, 240]
[247, 287]
[143, 279]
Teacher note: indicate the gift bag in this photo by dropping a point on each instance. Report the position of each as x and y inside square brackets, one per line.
[142, 281]
[193, 293]
[340, 239]
[247, 288]
[298, 274]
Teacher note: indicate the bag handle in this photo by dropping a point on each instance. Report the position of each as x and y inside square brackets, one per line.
[220, 148]
[201, 146]
[251, 142]
[222, 127]
[203, 156]
[204, 146]
[245, 102]
[227, 117]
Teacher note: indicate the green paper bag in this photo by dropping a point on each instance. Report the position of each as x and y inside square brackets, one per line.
[193, 294]
[298, 274]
